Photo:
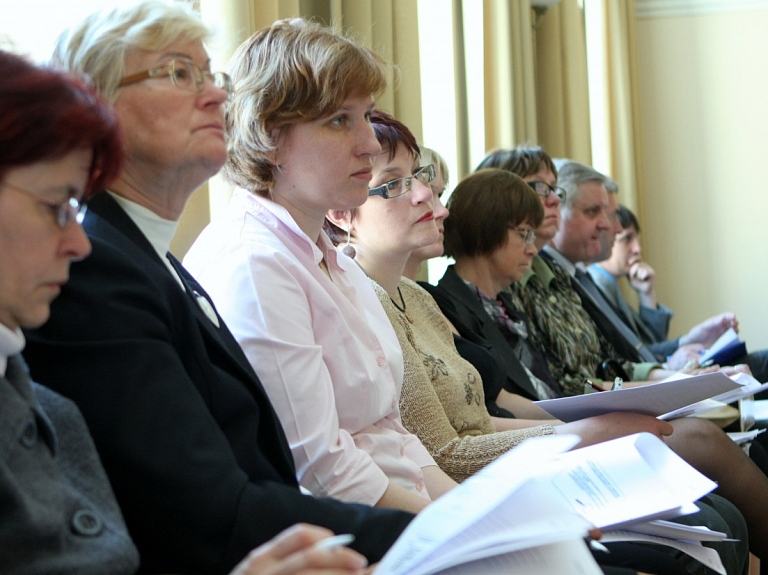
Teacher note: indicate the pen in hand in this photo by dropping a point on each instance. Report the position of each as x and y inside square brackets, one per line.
[335, 541]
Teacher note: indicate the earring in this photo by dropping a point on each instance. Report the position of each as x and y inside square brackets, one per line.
[348, 250]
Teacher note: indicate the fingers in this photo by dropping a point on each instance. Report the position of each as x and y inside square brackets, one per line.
[295, 538]
[294, 552]
[338, 560]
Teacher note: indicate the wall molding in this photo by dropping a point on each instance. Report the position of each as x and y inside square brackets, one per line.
[666, 8]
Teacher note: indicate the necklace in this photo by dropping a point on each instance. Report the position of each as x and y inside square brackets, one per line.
[402, 301]
[403, 309]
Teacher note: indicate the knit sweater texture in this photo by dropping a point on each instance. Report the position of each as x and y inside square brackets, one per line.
[442, 399]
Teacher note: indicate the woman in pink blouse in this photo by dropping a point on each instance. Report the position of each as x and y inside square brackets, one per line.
[301, 143]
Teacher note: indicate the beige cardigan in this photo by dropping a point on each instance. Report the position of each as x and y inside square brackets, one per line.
[442, 398]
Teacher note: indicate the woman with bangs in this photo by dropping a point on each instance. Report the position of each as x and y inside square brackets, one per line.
[300, 144]
[442, 400]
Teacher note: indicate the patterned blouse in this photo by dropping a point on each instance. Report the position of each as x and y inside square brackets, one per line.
[560, 328]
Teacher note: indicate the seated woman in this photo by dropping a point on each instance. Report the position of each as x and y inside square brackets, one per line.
[59, 142]
[305, 315]
[442, 397]
[476, 237]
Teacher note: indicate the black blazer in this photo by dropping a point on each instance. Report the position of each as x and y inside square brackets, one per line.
[195, 453]
[464, 310]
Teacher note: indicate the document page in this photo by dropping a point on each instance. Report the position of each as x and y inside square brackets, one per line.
[705, 555]
[482, 507]
[630, 479]
[564, 558]
[538, 496]
[654, 399]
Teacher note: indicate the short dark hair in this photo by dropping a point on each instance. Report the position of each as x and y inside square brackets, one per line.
[482, 208]
[627, 218]
[390, 133]
[522, 160]
[46, 113]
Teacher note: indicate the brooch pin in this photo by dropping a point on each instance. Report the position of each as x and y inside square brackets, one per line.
[207, 308]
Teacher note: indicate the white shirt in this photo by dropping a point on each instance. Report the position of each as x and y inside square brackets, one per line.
[157, 230]
[11, 343]
[322, 346]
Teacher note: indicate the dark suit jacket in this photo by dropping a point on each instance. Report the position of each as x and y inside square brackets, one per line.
[646, 325]
[466, 312]
[195, 453]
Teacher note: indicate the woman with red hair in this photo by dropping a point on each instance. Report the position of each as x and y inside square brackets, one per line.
[58, 142]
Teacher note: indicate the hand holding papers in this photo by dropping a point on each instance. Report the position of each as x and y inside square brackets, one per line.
[727, 349]
[537, 500]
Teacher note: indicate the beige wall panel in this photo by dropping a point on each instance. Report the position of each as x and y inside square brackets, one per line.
[704, 206]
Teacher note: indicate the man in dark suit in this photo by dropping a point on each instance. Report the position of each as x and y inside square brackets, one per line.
[195, 453]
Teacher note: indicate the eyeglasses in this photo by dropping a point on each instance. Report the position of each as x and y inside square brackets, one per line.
[184, 74]
[400, 186]
[544, 189]
[529, 235]
[65, 212]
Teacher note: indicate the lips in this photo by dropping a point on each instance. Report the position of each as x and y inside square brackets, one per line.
[364, 174]
[429, 216]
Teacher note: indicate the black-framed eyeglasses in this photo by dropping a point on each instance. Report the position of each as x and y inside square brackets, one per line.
[64, 212]
[183, 74]
[544, 189]
[529, 235]
[400, 186]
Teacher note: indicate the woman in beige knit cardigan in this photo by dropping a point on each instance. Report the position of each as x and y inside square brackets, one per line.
[442, 399]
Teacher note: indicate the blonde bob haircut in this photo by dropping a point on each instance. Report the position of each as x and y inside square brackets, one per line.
[98, 46]
[292, 72]
[430, 156]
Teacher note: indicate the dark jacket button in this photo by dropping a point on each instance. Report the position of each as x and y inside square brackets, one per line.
[86, 522]
[29, 437]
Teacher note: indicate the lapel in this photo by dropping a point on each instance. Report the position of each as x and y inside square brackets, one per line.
[475, 318]
[623, 339]
[107, 220]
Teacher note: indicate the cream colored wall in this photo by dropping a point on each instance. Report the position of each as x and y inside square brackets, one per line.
[704, 206]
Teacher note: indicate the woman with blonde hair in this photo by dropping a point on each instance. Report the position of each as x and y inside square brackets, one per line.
[300, 143]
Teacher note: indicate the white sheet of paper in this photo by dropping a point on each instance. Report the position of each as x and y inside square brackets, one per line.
[564, 558]
[447, 519]
[654, 399]
[705, 555]
[740, 437]
[626, 480]
[672, 530]
[730, 336]
[761, 409]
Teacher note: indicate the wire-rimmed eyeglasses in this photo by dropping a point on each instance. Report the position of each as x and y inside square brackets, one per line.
[400, 186]
[64, 212]
[183, 74]
[544, 189]
[529, 235]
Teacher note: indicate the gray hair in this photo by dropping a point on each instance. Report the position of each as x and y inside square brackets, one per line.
[572, 174]
[99, 45]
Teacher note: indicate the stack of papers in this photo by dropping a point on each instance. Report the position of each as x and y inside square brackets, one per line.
[529, 511]
[679, 396]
